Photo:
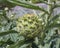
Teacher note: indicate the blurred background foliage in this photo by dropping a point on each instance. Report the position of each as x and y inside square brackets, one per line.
[9, 38]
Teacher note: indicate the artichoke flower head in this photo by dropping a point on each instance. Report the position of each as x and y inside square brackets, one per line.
[29, 26]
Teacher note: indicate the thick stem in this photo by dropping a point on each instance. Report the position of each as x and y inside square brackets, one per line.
[49, 10]
[34, 12]
[49, 6]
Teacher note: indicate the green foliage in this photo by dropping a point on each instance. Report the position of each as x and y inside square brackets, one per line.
[49, 36]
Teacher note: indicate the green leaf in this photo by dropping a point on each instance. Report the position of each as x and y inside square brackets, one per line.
[9, 42]
[53, 18]
[27, 5]
[7, 32]
[1, 43]
[56, 6]
[52, 26]
[4, 15]
[17, 44]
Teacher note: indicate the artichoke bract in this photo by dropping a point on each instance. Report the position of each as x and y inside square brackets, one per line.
[29, 26]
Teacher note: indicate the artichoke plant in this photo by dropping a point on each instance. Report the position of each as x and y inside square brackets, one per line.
[31, 31]
[30, 26]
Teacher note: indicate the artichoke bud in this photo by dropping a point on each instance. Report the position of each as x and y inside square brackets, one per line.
[29, 26]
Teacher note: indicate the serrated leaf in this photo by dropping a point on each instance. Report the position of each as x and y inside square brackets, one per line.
[9, 42]
[52, 26]
[7, 32]
[17, 44]
[56, 6]
[54, 18]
